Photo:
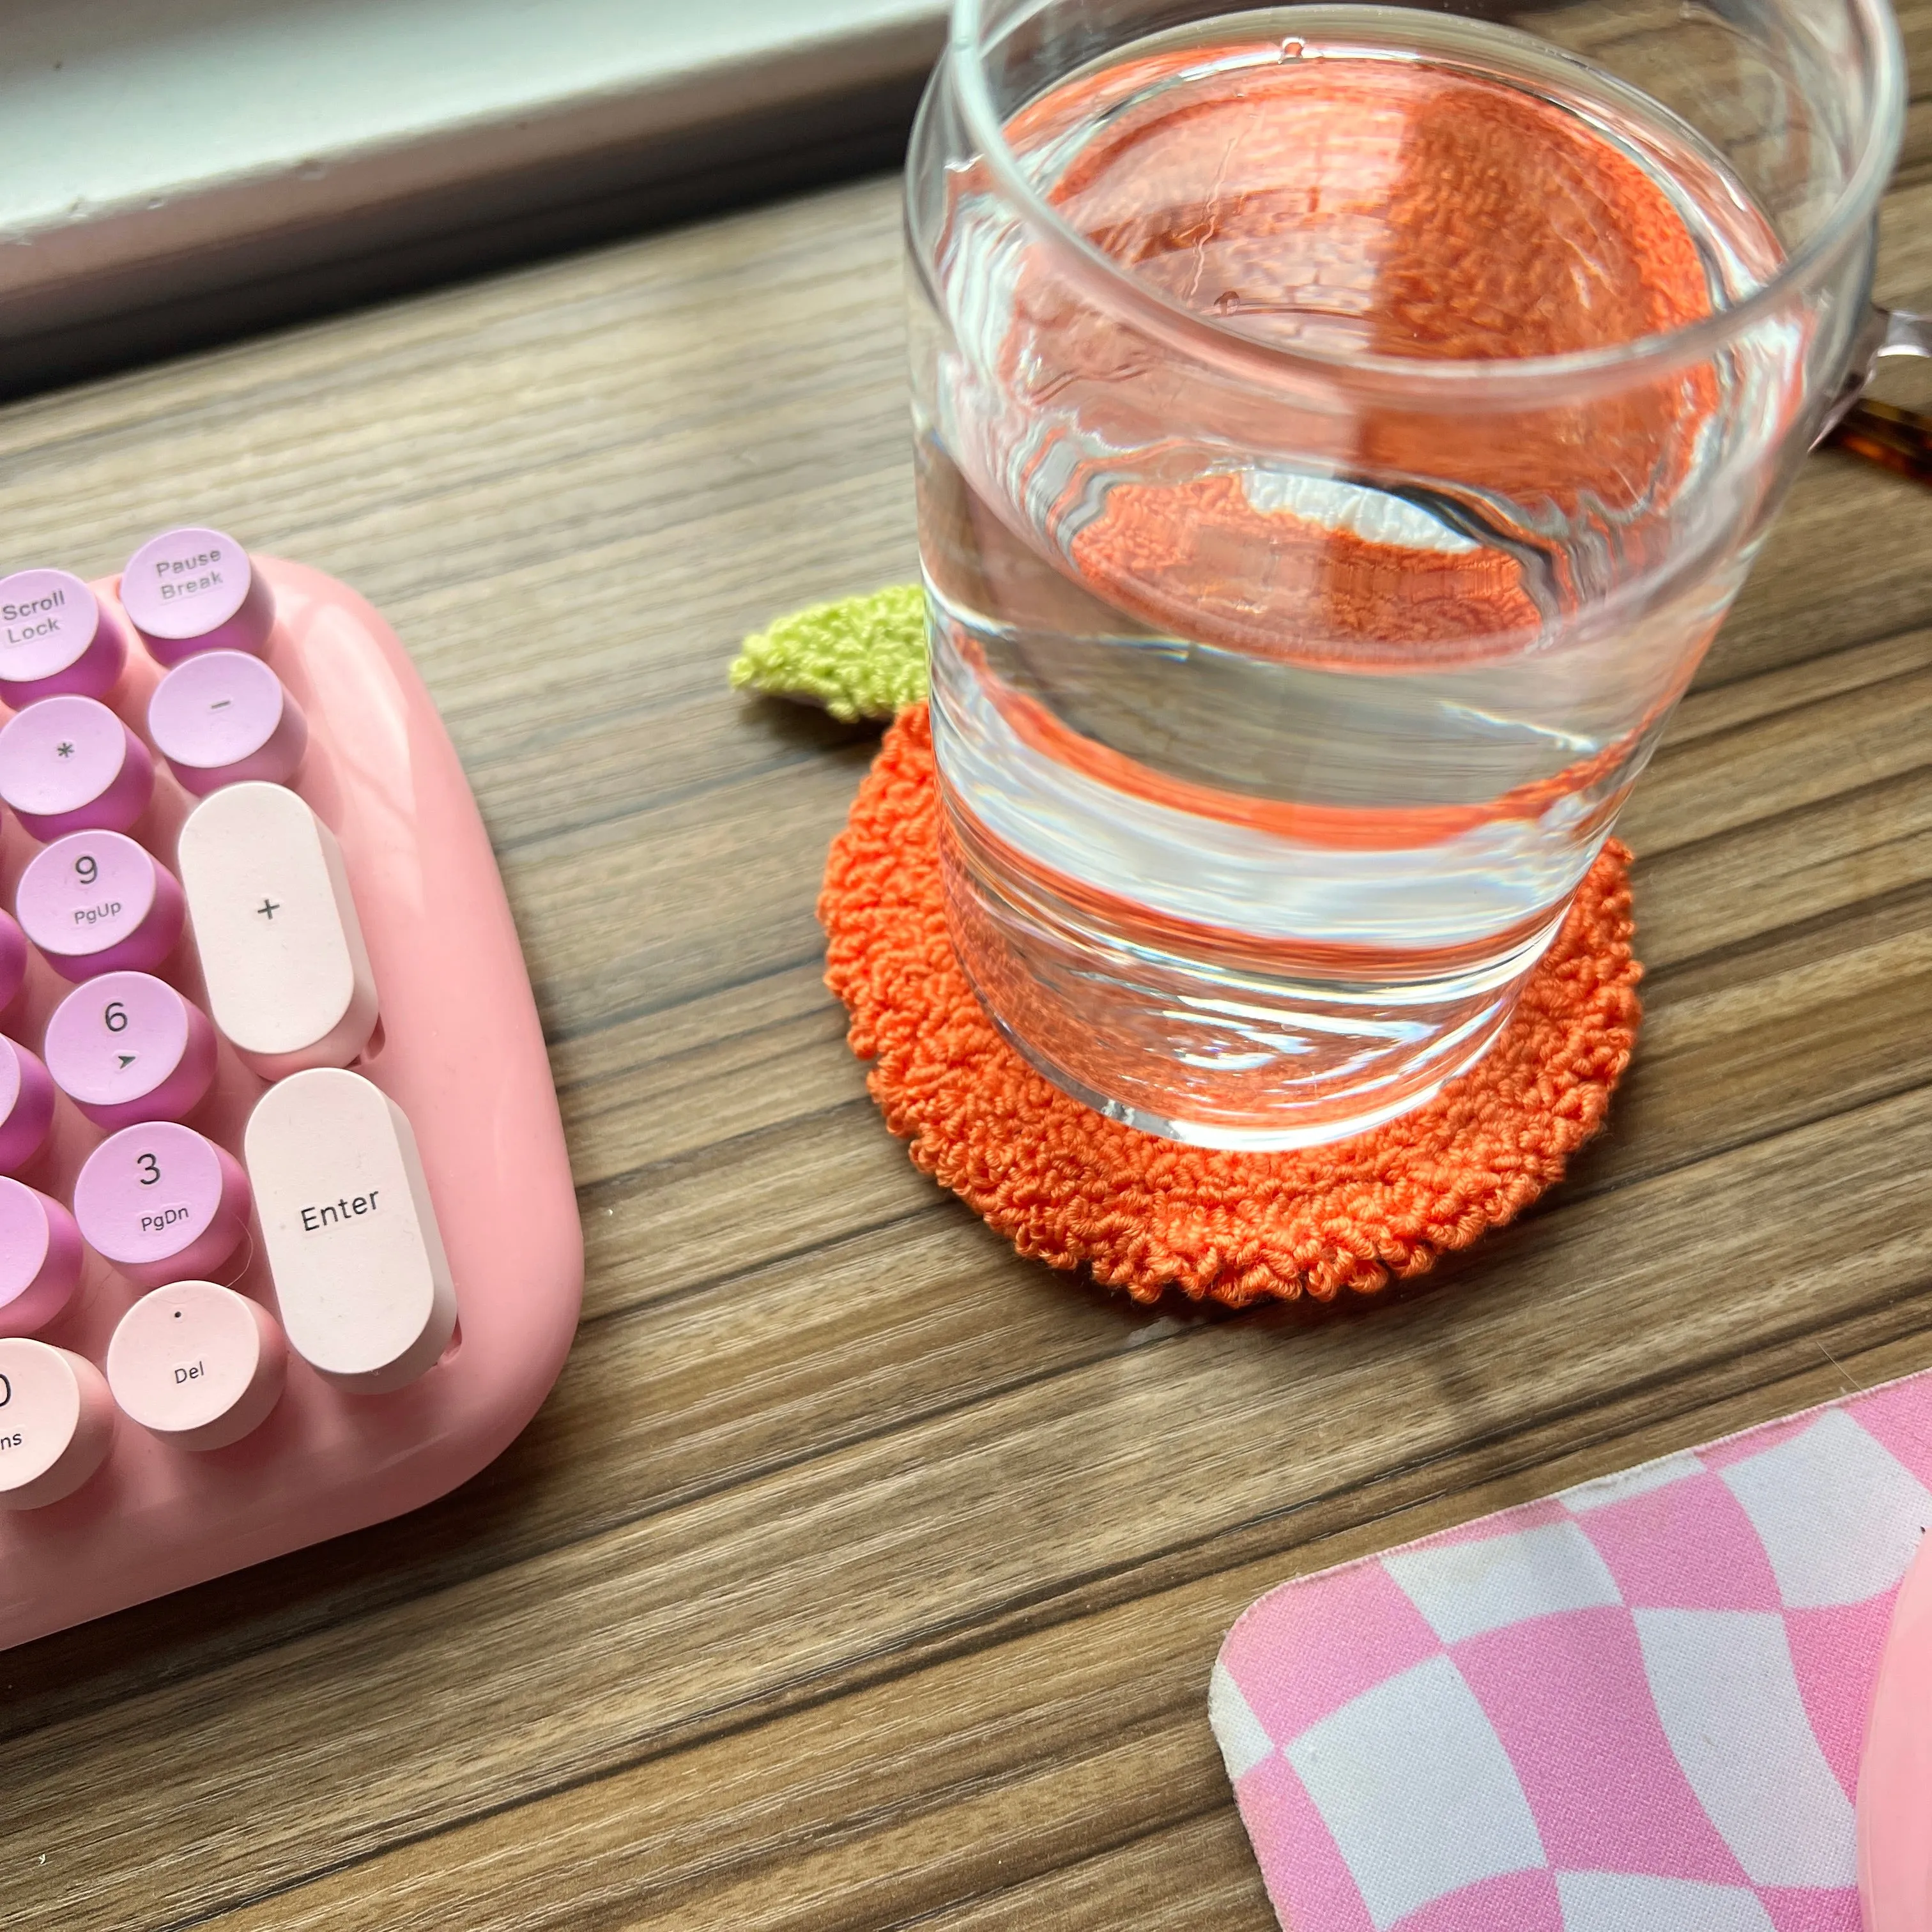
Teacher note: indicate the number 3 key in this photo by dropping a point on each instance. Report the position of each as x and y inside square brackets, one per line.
[162, 1203]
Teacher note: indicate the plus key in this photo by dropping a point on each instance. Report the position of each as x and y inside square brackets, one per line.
[281, 948]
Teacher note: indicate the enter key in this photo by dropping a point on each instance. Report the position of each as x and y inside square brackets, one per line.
[359, 1269]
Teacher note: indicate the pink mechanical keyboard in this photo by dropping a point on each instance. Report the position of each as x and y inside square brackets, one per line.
[288, 1241]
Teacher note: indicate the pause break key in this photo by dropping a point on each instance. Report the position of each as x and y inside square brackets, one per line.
[196, 589]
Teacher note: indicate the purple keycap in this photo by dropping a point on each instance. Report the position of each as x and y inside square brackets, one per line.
[94, 902]
[127, 1048]
[55, 637]
[162, 1202]
[194, 590]
[13, 959]
[26, 1105]
[39, 1259]
[222, 719]
[68, 764]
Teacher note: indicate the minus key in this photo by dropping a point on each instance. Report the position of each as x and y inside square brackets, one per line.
[224, 718]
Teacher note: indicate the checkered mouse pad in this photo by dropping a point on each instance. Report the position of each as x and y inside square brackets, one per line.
[1635, 1707]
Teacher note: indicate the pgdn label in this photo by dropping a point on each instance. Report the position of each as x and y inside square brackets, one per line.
[161, 1218]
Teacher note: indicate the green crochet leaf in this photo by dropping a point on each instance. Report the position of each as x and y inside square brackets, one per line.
[862, 657]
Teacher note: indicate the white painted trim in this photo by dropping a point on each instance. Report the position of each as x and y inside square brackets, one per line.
[157, 148]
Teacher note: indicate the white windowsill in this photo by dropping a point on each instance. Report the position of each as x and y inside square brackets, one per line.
[157, 149]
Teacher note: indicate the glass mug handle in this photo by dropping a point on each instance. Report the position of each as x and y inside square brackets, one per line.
[1900, 440]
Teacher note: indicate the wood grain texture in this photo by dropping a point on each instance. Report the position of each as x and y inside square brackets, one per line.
[857, 1574]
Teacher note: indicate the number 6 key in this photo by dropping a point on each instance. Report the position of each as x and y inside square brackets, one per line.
[127, 1048]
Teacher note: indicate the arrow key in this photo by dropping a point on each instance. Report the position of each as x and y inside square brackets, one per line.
[126, 1047]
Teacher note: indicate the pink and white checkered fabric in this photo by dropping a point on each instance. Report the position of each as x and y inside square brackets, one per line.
[1635, 1707]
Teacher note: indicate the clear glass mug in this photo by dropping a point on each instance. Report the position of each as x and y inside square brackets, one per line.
[1341, 430]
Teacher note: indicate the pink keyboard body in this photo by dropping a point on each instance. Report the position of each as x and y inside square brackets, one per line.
[1895, 1772]
[458, 1049]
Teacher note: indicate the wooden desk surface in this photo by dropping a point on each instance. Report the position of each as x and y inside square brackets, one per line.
[858, 1573]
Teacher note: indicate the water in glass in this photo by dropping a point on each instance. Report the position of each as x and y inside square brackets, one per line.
[1272, 749]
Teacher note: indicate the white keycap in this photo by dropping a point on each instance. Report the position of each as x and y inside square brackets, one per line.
[352, 1243]
[197, 1365]
[281, 948]
[56, 1423]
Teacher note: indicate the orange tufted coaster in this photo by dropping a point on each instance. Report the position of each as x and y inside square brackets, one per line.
[1068, 1186]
